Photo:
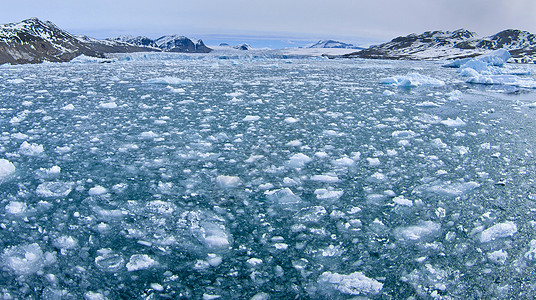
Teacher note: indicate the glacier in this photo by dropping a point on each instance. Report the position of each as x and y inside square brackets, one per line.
[263, 176]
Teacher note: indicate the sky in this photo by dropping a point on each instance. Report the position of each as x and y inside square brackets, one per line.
[292, 21]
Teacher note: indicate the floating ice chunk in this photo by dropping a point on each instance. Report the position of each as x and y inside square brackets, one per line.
[108, 105]
[213, 235]
[295, 143]
[225, 182]
[97, 190]
[373, 161]
[413, 80]
[109, 261]
[260, 296]
[291, 120]
[325, 194]
[214, 259]
[416, 232]
[254, 261]
[157, 287]
[497, 231]
[6, 168]
[403, 134]
[499, 257]
[401, 200]
[352, 284]
[531, 254]
[54, 170]
[169, 80]
[325, 178]
[282, 196]
[298, 160]
[512, 80]
[54, 189]
[453, 123]
[93, 295]
[253, 158]
[438, 143]
[30, 149]
[15, 81]
[452, 189]
[210, 296]
[388, 93]
[16, 208]
[140, 262]
[148, 135]
[24, 259]
[68, 107]
[250, 118]
[344, 162]
[313, 214]
[66, 242]
[377, 177]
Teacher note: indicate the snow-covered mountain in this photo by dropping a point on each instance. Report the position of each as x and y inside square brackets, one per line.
[35, 41]
[176, 43]
[433, 45]
[333, 44]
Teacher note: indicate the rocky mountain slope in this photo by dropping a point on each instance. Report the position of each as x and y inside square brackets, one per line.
[434, 45]
[35, 41]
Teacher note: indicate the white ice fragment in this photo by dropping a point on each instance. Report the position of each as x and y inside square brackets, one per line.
[97, 190]
[226, 182]
[250, 118]
[68, 107]
[24, 259]
[214, 259]
[254, 261]
[253, 158]
[30, 149]
[403, 134]
[344, 162]
[54, 189]
[108, 105]
[66, 242]
[412, 80]
[260, 296]
[157, 287]
[416, 232]
[497, 231]
[373, 162]
[453, 123]
[401, 200]
[140, 262]
[93, 296]
[325, 178]
[294, 143]
[210, 296]
[291, 120]
[325, 194]
[148, 135]
[54, 170]
[298, 160]
[16, 208]
[109, 261]
[282, 196]
[6, 168]
[499, 257]
[531, 254]
[168, 80]
[352, 284]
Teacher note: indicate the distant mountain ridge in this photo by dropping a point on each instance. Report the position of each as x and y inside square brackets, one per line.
[35, 41]
[434, 45]
[333, 44]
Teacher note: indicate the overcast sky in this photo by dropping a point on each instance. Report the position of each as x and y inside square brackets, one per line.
[348, 20]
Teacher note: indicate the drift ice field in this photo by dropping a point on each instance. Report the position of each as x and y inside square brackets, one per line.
[157, 176]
